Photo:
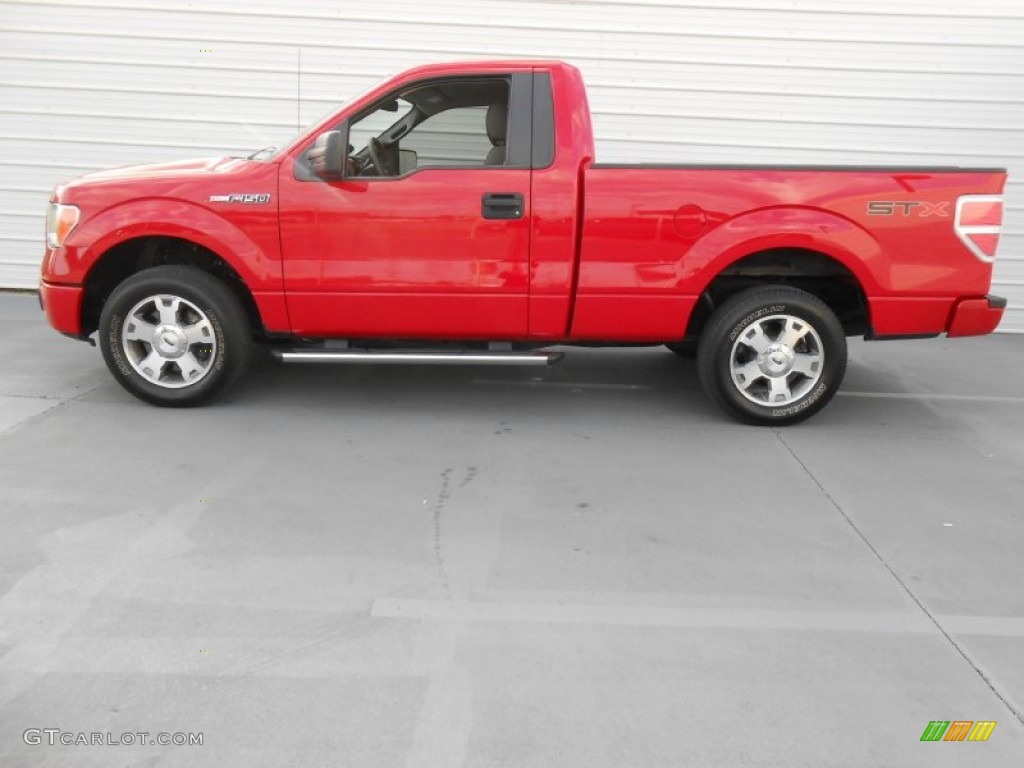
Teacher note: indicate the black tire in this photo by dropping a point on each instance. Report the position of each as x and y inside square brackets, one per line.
[743, 383]
[685, 349]
[215, 364]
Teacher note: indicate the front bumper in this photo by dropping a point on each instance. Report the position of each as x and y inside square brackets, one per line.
[63, 306]
[976, 317]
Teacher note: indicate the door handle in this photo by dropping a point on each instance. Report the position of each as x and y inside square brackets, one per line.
[502, 205]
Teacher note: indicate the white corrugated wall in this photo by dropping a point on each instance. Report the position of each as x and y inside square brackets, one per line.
[86, 85]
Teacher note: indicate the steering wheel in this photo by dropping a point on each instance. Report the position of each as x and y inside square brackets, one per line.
[374, 148]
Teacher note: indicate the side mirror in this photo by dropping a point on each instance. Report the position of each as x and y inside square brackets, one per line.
[407, 161]
[326, 158]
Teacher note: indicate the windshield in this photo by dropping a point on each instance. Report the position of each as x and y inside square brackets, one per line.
[270, 152]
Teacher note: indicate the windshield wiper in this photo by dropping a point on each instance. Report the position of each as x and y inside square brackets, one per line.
[260, 152]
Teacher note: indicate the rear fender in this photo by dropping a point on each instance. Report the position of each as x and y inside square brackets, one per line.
[810, 229]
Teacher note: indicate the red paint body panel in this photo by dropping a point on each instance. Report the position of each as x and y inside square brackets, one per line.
[406, 315]
[63, 306]
[557, 207]
[632, 244]
[631, 318]
[602, 253]
[975, 317]
[909, 315]
[392, 258]
[173, 200]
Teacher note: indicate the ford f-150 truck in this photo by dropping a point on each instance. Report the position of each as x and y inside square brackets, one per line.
[455, 213]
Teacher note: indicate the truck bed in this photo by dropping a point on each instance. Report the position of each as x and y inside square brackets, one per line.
[654, 236]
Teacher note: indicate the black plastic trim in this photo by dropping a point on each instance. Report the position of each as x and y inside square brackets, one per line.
[543, 121]
[520, 107]
[301, 169]
[901, 336]
[996, 302]
[86, 337]
[502, 205]
[769, 167]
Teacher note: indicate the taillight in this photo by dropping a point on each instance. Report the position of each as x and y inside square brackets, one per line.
[978, 221]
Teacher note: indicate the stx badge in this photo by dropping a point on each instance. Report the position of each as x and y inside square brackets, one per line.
[253, 199]
[905, 207]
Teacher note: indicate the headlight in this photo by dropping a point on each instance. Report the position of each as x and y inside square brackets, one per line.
[60, 220]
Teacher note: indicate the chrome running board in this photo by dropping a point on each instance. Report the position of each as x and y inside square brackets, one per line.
[416, 356]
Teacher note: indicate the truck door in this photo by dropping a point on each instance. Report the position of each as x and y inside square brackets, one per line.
[427, 234]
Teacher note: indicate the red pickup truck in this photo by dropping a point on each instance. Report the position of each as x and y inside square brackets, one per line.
[455, 214]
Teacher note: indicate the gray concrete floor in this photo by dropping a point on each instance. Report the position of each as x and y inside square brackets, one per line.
[583, 566]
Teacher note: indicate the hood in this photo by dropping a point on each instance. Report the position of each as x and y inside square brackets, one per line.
[191, 180]
[181, 170]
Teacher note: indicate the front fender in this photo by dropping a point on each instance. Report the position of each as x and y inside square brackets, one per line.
[253, 251]
[786, 227]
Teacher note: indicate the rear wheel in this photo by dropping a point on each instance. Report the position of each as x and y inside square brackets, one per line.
[772, 355]
[174, 336]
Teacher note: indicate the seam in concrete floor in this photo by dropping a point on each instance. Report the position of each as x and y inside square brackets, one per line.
[32, 397]
[657, 615]
[58, 402]
[910, 593]
[934, 396]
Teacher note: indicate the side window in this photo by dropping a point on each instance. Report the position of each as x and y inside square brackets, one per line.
[460, 123]
[378, 121]
[456, 136]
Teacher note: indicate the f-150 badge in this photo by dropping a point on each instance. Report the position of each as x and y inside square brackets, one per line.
[241, 198]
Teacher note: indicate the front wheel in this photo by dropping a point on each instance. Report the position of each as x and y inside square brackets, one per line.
[772, 355]
[174, 336]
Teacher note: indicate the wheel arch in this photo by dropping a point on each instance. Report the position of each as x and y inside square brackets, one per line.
[806, 247]
[807, 269]
[135, 254]
[248, 259]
